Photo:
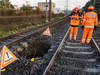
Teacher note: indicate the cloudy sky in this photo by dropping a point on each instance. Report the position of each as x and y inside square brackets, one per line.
[59, 3]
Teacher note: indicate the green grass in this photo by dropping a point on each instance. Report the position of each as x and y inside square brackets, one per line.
[11, 29]
[14, 28]
[6, 30]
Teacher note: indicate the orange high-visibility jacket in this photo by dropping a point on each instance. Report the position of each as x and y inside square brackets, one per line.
[90, 20]
[75, 20]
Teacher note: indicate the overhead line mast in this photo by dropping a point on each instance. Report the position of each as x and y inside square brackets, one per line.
[94, 3]
[46, 11]
[50, 8]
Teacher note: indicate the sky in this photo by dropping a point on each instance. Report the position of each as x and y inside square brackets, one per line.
[62, 4]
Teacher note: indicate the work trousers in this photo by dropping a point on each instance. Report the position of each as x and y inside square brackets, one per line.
[87, 33]
[73, 30]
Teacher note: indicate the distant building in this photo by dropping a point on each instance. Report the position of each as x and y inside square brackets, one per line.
[59, 10]
[5, 4]
[42, 6]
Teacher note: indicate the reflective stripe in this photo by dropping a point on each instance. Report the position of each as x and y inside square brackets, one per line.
[70, 37]
[92, 17]
[84, 20]
[89, 26]
[74, 23]
[89, 21]
[91, 14]
[83, 40]
[88, 40]
[74, 35]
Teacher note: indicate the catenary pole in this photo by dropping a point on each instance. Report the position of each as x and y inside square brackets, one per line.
[46, 11]
[94, 3]
[50, 8]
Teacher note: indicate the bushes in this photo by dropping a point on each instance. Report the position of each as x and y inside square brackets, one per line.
[24, 11]
[19, 19]
[27, 10]
[6, 12]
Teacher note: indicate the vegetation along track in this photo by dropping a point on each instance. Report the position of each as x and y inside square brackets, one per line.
[73, 58]
[38, 49]
[15, 38]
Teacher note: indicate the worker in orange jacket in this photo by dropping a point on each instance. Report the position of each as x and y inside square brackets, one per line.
[74, 23]
[90, 23]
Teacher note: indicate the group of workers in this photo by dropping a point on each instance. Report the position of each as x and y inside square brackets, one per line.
[89, 21]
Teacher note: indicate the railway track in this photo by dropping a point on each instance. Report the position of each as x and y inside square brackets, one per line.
[96, 37]
[15, 38]
[72, 58]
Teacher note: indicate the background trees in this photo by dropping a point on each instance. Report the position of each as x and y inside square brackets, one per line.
[27, 10]
[5, 4]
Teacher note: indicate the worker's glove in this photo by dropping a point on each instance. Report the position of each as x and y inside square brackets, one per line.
[82, 27]
[95, 27]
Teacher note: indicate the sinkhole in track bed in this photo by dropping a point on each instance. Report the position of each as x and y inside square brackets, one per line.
[35, 48]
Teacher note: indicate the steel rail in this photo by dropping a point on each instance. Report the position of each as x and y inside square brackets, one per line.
[56, 53]
[96, 44]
